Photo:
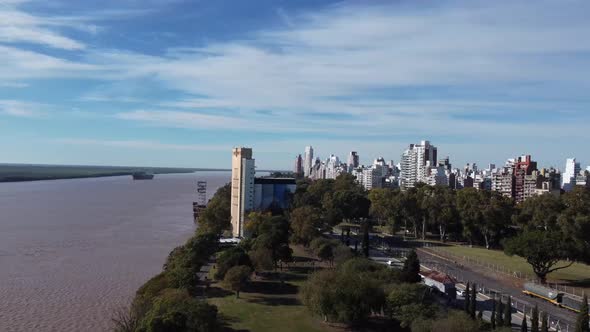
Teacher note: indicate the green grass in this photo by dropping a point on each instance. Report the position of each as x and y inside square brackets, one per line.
[247, 314]
[575, 274]
[266, 305]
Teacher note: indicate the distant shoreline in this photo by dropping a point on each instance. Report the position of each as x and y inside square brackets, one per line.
[29, 173]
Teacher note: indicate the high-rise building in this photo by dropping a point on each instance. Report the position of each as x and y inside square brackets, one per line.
[308, 161]
[242, 188]
[353, 160]
[332, 167]
[523, 167]
[298, 168]
[415, 162]
[572, 170]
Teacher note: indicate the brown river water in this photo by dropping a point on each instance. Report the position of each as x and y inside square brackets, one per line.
[73, 251]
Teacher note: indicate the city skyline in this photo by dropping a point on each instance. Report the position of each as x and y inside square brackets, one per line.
[172, 83]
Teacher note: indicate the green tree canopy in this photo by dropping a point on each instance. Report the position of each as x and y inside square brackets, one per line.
[575, 221]
[306, 224]
[236, 278]
[409, 302]
[539, 212]
[229, 258]
[216, 217]
[347, 294]
[176, 311]
[411, 269]
[542, 250]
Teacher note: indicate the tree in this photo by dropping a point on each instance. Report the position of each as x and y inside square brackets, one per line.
[176, 310]
[523, 325]
[542, 250]
[574, 221]
[272, 233]
[582, 321]
[539, 212]
[473, 301]
[544, 322]
[366, 244]
[306, 224]
[409, 302]
[344, 294]
[216, 217]
[229, 258]
[383, 207]
[411, 268]
[467, 299]
[496, 213]
[261, 259]
[438, 204]
[493, 314]
[468, 206]
[348, 204]
[500, 313]
[312, 193]
[184, 262]
[535, 319]
[508, 313]
[236, 278]
[326, 253]
[409, 208]
[342, 253]
[454, 321]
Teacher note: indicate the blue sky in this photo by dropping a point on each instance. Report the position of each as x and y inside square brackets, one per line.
[179, 83]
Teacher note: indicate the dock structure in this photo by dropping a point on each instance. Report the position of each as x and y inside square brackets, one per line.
[201, 202]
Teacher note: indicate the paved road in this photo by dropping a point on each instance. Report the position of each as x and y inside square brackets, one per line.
[460, 272]
[557, 315]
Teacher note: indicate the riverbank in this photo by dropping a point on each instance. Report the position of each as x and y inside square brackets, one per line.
[25, 172]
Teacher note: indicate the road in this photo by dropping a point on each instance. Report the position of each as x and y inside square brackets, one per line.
[490, 285]
[558, 317]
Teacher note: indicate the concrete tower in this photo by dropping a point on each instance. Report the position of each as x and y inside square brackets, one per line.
[242, 188]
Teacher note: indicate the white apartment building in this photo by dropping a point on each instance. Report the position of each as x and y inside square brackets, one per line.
[242, 188]
[332, 167]
[572, 170]
[308, 161]
[414, 163]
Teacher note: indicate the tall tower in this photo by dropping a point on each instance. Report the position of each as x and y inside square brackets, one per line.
[308, 161]
[298, 168]
[242, 188]
[415, 163]
[353, 160]
[572, 170]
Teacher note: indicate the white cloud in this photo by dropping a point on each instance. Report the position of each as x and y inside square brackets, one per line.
[18, 26]
[21, 109]
[357, 62]
[334, 60]
[142, 144]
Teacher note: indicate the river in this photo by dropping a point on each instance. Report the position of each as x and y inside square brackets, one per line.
[73, 251]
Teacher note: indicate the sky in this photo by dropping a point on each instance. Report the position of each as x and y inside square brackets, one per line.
[179, 83]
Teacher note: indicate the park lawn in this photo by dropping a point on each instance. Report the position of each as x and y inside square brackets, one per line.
[252, 313]
[268, 305]
[575, 274]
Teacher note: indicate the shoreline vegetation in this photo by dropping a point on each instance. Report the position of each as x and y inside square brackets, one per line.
[291, 271]
[27, 172]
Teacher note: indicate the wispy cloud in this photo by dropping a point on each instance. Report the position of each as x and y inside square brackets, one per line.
[141, 144]
[21, 109]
